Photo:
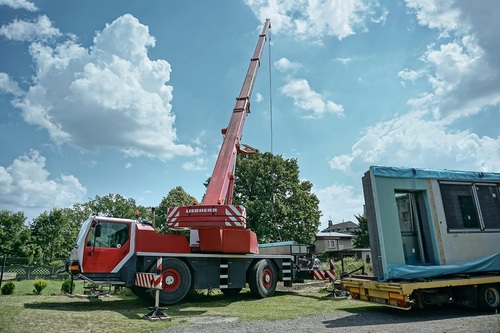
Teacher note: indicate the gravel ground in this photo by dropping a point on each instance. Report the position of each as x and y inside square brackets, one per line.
[373, 320]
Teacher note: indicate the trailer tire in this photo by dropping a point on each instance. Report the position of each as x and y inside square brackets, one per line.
[230, 291]
[176, 281]
[263, 278]
[488, 297]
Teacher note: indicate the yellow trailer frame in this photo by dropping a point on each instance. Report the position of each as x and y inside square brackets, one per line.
[407, 294]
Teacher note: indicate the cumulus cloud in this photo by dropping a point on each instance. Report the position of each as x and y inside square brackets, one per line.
[26, 186]
[464, 75]
[284, 65]
[305, 19]
[410, 75]
[39, 28]
[7, 85]
[340, 201]
[400, 139]
[309, 101]
[19, 4]
[110, 95]
[195, 165]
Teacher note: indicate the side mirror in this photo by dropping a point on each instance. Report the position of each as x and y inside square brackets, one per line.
[98, 230]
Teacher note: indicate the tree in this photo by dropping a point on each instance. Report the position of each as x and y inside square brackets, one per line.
[54, 233]
[176, 197]
[361, 237]
[13, 232]
[113, 205]
[279, 205]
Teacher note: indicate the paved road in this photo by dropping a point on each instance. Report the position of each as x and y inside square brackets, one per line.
[371, 319]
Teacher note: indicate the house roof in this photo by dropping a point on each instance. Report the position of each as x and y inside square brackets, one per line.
[333, 235]
[341, 226]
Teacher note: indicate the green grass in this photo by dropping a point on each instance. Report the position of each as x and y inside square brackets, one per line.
[52, 312]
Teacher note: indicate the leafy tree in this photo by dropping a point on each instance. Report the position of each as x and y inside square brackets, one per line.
[361, 237]
[176, 197]
[13, 232]
[279, 205]
[113, 205]
[54, 233]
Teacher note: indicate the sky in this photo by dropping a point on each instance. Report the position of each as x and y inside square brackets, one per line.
[129, 97]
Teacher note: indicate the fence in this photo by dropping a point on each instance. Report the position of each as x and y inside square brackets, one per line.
[18, 269]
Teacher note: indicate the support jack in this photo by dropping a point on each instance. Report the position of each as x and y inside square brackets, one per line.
[156, 312]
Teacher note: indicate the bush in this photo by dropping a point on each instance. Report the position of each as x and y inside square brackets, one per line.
[68, 286]
[39, 286]
[8, 288]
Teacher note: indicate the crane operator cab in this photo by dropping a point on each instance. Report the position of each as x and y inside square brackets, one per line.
[108, 234]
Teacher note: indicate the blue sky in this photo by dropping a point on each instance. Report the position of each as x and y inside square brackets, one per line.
[129, 97]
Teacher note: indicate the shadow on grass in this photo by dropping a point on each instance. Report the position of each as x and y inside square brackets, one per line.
[194, 304]
[377, 315]
[132, 308]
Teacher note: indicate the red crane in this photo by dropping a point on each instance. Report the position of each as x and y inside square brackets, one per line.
[221, 225]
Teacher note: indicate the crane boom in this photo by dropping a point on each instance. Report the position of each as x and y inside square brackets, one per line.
[216, 209]
[220, 189]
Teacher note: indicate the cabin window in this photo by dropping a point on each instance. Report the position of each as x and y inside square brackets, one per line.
[112, 235]
[471, 206]
[332, 244]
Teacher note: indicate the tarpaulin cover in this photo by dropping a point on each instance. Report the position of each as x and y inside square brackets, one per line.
[403, 172]
[489, 263]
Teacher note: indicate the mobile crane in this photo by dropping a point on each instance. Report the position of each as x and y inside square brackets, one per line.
[222, 253]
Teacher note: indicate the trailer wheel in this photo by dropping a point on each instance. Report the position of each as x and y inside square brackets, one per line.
[230, 291]
[488, 297]
[176, 281]
[262, 279]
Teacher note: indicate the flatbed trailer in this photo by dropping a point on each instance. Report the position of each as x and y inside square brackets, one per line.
[482, 291]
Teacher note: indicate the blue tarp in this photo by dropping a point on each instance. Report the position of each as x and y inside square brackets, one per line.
[403, 172]
[489, 263]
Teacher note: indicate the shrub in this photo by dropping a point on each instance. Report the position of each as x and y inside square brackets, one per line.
[68, 286]
[39, 286]
[8, 288]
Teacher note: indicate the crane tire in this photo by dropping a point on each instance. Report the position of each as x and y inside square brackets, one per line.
[488, 297]
[262, 278]
[176, 281]
[141, 292]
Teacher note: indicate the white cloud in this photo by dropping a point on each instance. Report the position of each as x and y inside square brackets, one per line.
[108, 96]
[339, 201]
[436, 14]
[410, 75]
[40, 28]
[285, 65]
[310, 101]
[415, 140]
[343, 61]
[19, 4]
[26, 186]
[195, 165]
[128, 165]
[258, 97]
[464, 73]
[304, 19]
[9, 86]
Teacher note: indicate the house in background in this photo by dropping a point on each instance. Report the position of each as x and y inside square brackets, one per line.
[337, 241]
[346, 227]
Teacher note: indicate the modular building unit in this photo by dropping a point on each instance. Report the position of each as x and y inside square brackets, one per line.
[424, 217]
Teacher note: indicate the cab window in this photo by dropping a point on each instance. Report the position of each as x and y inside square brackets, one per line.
[112, 235]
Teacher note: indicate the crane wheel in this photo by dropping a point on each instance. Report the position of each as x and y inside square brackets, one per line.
[262, 278]
[176, 281]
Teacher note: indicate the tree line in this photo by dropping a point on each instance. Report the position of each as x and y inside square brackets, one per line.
[279, 206]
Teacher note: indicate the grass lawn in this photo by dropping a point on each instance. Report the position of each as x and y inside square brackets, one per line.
[53, 312]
